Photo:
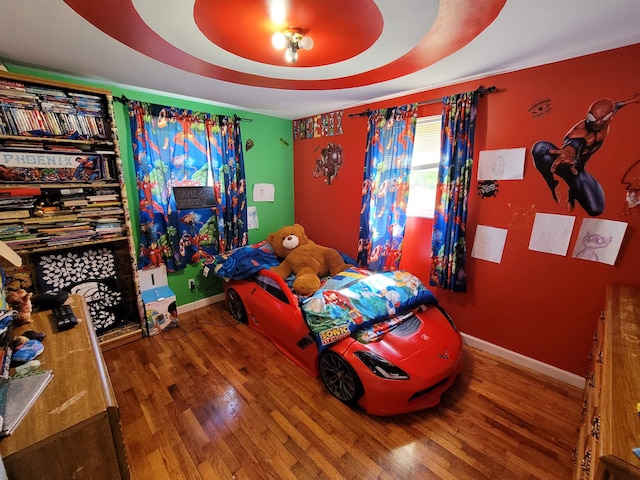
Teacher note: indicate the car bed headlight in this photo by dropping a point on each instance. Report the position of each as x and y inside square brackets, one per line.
[381, 367]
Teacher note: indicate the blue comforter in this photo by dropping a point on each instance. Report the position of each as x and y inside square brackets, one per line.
[359, 300]
[243, 262]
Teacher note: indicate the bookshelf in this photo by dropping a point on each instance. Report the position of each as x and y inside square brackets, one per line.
[63, 202]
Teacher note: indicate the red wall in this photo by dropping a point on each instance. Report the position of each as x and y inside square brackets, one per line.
[540, 305]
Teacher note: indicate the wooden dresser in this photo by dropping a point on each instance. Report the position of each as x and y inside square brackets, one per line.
[73, 429]
[610, 427]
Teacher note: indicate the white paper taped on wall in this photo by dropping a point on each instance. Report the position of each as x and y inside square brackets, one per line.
[506, 164]
[263, 192]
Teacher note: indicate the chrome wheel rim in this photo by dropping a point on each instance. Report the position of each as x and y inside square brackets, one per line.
[236, 307]
[339, 377]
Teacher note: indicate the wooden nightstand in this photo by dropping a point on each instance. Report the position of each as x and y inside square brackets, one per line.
[73, 429]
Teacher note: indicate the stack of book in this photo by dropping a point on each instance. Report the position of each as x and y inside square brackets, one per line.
[57, 110]
[90, 114]
[19, 237]
[70, 198]
[104, 198]
[25, 109]
[109, 224]
[17, 203]
[15, 103]
[62, 233]
[71, 215]
[109, 227]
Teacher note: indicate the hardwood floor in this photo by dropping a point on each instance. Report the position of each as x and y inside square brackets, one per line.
[214, 400]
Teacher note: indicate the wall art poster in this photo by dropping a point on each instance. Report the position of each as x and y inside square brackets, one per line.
[52, 167]
[551, 233]
[505, 164]
[324, 125]
[489, 243]
[599, 240]
[90, 272]
[567, 160]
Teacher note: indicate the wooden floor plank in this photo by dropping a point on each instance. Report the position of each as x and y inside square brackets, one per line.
[214, 400]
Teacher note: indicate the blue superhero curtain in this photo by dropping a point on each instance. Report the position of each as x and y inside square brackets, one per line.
[385, 188]
[180, 148]
[448, 243]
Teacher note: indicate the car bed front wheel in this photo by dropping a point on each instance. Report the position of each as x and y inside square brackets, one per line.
[339, 378]
[236, 307]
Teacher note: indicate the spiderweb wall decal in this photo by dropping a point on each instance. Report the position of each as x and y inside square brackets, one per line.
[90, 272]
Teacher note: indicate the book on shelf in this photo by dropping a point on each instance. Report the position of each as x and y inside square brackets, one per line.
[22, 145]
[16, 235]
[34, 242]
[113, 203]
[65, 230]
[109, 220]
[12, 85]
[109, 233]
[62, 239]
[7, 203]
[14, 214]
[106, 197]
[26, 240]
[94, 209]
[54, 92]
[7, 237]
[12, 227]
[72, 191]
[64, 215]
[74, 202]
[102, 231]
[48, 147]
[20, 192]
[85, 95]
[106, 225]
[104, 191]
[38, 220]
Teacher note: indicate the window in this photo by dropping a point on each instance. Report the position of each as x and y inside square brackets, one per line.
[271, 287]
[424, 167]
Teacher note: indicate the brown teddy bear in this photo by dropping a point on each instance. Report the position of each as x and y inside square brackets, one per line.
[306, 259]
[20, 300]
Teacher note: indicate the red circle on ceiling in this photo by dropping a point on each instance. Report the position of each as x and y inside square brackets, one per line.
[245, 29]
[458, 23]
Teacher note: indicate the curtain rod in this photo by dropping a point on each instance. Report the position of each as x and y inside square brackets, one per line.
[124, 100]
[481, 91]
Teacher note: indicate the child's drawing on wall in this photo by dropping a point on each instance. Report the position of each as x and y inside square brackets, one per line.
[591, 242]
[599, 240]
[551, 233]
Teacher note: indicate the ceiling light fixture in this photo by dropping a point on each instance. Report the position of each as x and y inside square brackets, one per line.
[293, 40]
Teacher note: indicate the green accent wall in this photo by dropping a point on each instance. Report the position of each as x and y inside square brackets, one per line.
[270, 160]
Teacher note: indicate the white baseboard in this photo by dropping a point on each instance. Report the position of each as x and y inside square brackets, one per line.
[527, 362]
[187, 307]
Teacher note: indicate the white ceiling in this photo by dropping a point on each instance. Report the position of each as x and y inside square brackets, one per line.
[50, 34]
